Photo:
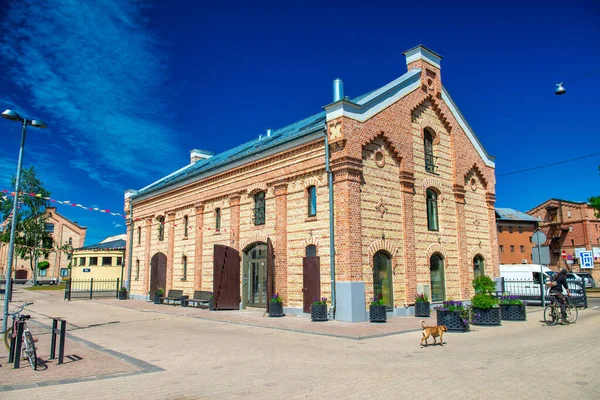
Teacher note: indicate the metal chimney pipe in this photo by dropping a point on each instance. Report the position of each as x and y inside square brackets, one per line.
[338, 90]
[269, 132]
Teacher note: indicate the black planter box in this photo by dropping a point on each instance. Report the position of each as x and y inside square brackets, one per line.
[211, 303]
[377, 314]
[157, 298]
[318, 312]
[452, 320]
[489, 316]
[275, 309]
[122, 295]
[422, 309]
[513, 312]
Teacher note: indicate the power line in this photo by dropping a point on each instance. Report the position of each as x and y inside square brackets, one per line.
[549, 165]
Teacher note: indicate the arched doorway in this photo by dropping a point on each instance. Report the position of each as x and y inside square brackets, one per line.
[383, 287]
[311, 277]
[438, 282]
[255, 275]
[478, 266]
[158, 272]
[21, 274]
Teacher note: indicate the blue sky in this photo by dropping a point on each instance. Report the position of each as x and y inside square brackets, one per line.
[128, 88]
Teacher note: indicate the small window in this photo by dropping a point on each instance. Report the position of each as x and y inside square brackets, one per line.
[522, 249]
[432, 211]
[499, 229]
[137, 270]
[312, 201]
[478, 267]
[161, 228]
[64, 272]
[185, 225]
[501, 248]
[43, 272]
[139, 235]
[510, 229]
[107, 261]
[81, 260]
[49, 228]
[572, 242]
[93, 260]
[70, 241]
[184, 264]
[429, 158]
[119, 261]
[530, 239]
[218, 219]
[569, 214]
[512, 248]
[520, 229]
[259, 208]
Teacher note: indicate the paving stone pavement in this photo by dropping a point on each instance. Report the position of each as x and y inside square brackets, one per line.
[177, 353]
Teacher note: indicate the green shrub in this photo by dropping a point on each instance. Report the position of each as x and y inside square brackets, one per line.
[484, 284]
[483, 301]
[42, 265]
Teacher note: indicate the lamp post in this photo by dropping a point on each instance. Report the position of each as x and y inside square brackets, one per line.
[36, 123]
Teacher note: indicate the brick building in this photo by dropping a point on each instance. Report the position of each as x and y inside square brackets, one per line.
[412, 192]
[515, 230]
[63, 231]
[569, 226]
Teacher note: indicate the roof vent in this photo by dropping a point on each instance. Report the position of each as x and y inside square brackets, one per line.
[269, 131]
[196, 155]
[338, 90]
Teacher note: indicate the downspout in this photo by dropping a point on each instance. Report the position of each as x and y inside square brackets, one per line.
[331, 226]
[130, 249]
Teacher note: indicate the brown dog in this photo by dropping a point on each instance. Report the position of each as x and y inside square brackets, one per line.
[433, 331]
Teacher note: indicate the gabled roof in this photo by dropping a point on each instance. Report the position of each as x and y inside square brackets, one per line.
[113, 245]
[508, 214]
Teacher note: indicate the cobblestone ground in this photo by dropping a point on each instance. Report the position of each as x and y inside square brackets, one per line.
[155, 351]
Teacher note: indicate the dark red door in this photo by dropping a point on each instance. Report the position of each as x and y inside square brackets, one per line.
[21, 274]
[311, 281]
[226, 278]
[270, 272]
[158, 273]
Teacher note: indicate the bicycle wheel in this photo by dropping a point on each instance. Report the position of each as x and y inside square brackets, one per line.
[572, 313]
[549, 315]
[30, 349]
[8, 337]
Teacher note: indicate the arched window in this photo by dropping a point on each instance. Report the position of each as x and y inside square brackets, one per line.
[438, 284]
[311, 250]
[429, 158]
[312, 201]
[139, 235]
[382, 278]
[185, 225]
[478, 266]
[184, 266]
[432, 211]
[259, 208]
[137, 270]
[218, 219]
[161, 228]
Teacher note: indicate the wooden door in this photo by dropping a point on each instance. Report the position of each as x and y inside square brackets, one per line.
[226, 278]
[311, 281]
[270, 272]
[158, 273]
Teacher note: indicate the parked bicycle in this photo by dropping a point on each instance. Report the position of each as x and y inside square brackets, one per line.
[552, 311]
[28, 343]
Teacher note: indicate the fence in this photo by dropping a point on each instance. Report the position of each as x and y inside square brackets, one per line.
[3, 289]
[92, 288]
[529, 291]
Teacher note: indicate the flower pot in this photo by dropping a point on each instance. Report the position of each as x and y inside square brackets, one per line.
[211, 303]
[422, 309]
[486, 316]
[377, 314]
[513, 312]
[318, 312]
[157, 297]
[122, 295]
[452, 320]
[275, 309]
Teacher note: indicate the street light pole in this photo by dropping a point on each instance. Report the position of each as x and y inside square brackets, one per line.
[13, 116]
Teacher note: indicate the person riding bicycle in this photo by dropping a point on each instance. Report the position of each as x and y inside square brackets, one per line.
[557, 289]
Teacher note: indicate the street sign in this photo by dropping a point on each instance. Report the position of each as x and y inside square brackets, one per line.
[564, 255]
[538, 238]
[587, 260]
[543, 253]
[570, 257]
[86, 270]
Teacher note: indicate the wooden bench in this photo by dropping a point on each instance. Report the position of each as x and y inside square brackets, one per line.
[172, 297]
[201, 298]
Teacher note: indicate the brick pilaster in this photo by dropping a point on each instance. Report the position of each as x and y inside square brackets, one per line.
[281, 240]
[170, 248]
[234, 222]
[490, 199]
[199, 237]
[464, 264]
[147, 256]
[407, 188]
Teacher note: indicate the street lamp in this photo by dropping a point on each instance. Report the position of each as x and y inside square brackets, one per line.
[36, 123]
[560, 90]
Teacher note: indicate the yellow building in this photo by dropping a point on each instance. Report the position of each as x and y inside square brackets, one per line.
[102, 261]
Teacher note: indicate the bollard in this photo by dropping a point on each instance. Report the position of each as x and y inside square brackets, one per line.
[15, 346]
[61, 341]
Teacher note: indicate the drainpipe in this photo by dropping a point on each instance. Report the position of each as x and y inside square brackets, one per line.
[331, 226]
[130, 249]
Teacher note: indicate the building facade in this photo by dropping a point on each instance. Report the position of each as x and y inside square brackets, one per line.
[101, 261]
[63, 231]
[394, 181]
[570, 226]
[515, 231]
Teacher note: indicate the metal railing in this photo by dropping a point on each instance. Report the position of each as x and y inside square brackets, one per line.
[529, 291]
[88, 289]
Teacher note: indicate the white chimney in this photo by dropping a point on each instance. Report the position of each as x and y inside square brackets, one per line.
[196, 155]
[421, 52]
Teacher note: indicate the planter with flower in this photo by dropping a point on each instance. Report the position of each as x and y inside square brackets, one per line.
[512, 308]
[276, 306]
[455, 315]
[422, 305]
[318, 310]
[122, 294]
[211, 301]
[485, 306]
[158, 294]
[377, 310]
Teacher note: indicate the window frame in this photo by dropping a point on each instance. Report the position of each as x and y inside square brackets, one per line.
[185, 225]
[184, 267]
[93, 261]
[161, 229]
[433, 224]
[259, 208]
[428, 151]
[312, 201]
[104, 263]
[217, 219]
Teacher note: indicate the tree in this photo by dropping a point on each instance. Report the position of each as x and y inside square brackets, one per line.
[32, 239]
[595, 202]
